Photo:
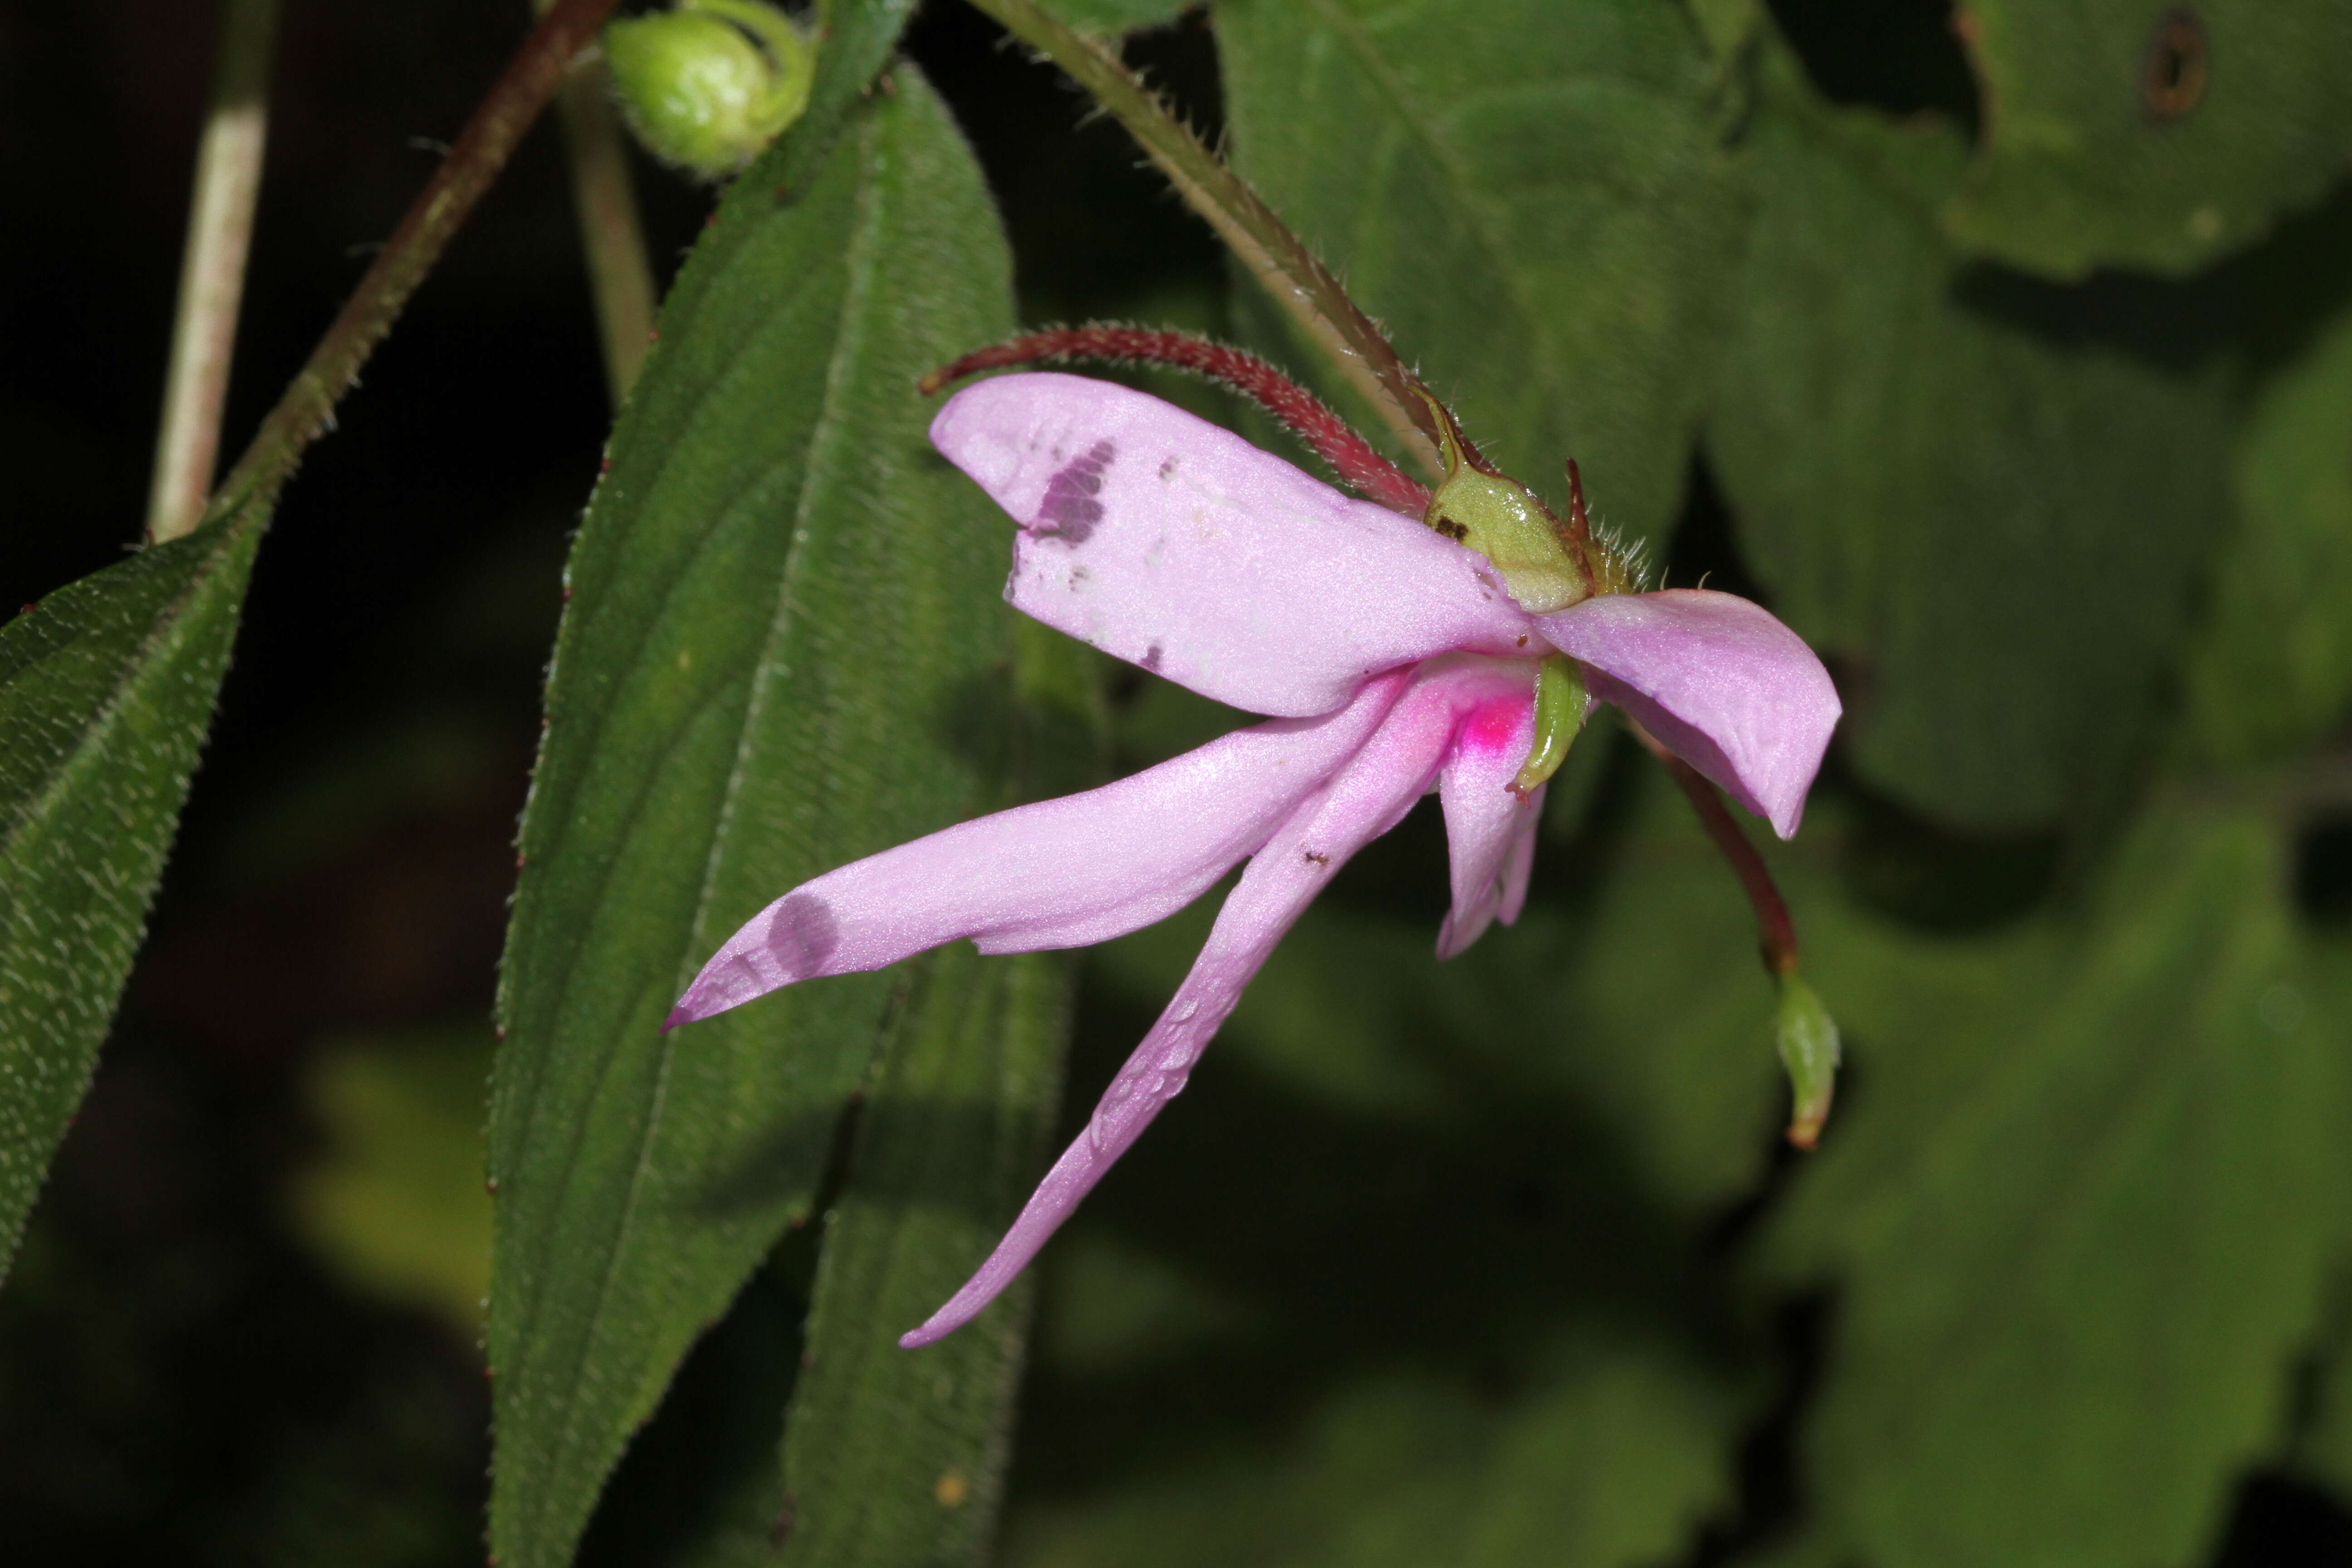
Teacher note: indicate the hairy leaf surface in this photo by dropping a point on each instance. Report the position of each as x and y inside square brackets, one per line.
[784, 649]
[106, 692]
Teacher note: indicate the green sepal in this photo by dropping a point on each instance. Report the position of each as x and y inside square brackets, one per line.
[1561, 706]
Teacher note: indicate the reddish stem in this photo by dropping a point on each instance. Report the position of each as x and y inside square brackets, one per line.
[1776, 933]
[1301, 412]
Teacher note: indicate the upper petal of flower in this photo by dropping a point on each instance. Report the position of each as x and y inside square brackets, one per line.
[1361, 802]
[1059, 873]
[1178, 546]
[1715, 677]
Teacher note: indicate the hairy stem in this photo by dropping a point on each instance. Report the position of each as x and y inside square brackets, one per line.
[1290, 271]
[1301, 412]
[212, 267]
[612, 237]
[481, 150]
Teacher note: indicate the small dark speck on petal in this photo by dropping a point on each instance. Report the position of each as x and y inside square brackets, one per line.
[1168, 469]
[1150, 659]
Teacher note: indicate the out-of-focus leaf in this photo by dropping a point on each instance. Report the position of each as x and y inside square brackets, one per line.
[1985, 496]
[784, 649]
[106, 692]
[1609, 1455]
[2077, 1218]
[1532, 197]
[2273, 664]
[2320, 1450]
[395, 1202]
[2129, 133]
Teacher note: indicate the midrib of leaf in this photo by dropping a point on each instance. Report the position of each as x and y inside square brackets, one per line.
[593, 726]
[169, 631]
[816, 476]
[857, 291]
[1478, 221]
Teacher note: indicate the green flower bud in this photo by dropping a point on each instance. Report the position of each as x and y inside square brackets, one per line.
[1808, 1049]
[711, 84]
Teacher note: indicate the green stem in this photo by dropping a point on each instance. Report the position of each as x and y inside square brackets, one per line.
[212, 268]
[481, 150]
[1290, 271]
[611, 237]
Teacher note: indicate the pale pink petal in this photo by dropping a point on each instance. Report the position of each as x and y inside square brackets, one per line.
[1483, 817]
[1060, 873]
[1364, 801]
[1178, 546]
[1521, 863]
[1724, 685]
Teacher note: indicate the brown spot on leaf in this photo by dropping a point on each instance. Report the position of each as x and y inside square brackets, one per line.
[2174, 70]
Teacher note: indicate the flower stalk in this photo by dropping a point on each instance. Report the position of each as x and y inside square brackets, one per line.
[473, 162]
[612, 235]
[1809, 1041]
[212, 268]
[1293, 274]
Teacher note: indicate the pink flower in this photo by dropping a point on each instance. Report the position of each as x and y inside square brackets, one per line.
[1389, 661]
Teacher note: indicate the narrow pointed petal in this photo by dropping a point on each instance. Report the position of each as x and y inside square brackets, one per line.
[1483, 817]
[1519, 864]
[1718, 680]
[1060, 873]
[1178, 546]
[1362, 802]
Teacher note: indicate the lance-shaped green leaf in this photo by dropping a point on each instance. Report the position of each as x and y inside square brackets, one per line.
[2078, 1221]
[2126, 133]
[859, 37]
[106, 693]
[883, 1455]
[1530, 197]
[780, 653]
[1985, 495]
[107, 686]
[892, 1455]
